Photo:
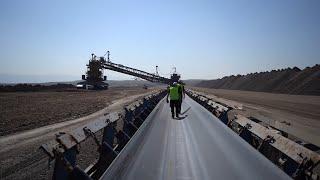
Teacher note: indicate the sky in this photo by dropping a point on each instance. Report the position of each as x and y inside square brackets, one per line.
[42, 40]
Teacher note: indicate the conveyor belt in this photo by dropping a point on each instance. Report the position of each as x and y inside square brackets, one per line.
[196, 147]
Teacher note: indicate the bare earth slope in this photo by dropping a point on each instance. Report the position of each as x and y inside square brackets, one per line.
[288, 81]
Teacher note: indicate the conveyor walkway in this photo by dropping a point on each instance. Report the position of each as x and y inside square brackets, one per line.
[197, 146]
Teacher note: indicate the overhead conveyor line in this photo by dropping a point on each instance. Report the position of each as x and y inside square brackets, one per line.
[94, 77]
[135, 72]
[197, 146]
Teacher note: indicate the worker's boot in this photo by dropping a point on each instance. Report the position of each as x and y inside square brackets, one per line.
[177, 115]
[172, 115]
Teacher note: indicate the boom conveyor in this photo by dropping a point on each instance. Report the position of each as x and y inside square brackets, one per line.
[94, 78]
[135, 72]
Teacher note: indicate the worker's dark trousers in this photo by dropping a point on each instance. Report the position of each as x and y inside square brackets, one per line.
[179, 104]
[174, 104]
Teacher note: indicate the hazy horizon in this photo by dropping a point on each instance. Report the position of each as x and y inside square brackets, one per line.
[45, 41]
[14, 79]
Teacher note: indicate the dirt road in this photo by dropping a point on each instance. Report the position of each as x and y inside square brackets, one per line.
[20, 157]
[298, 115]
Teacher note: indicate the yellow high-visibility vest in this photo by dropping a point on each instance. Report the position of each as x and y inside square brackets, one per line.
[174, 93]
[181, 89]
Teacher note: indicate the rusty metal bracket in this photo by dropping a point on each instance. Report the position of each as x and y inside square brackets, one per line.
[110, 148]
[246, 127]
[60, 157]
[268, 140]
[132, 124]
[89, 133]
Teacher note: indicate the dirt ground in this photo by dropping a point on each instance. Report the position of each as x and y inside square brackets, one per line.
[21, 111]
[20, 156]
[298, 115]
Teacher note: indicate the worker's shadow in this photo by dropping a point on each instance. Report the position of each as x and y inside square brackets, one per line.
[183, 116]
[180, 118]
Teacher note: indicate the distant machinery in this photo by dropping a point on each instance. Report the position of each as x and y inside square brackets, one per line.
[157, 70]
[175, 77]
[94, 78]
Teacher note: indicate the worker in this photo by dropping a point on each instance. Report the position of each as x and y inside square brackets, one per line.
[173, 93]
[181, 94]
